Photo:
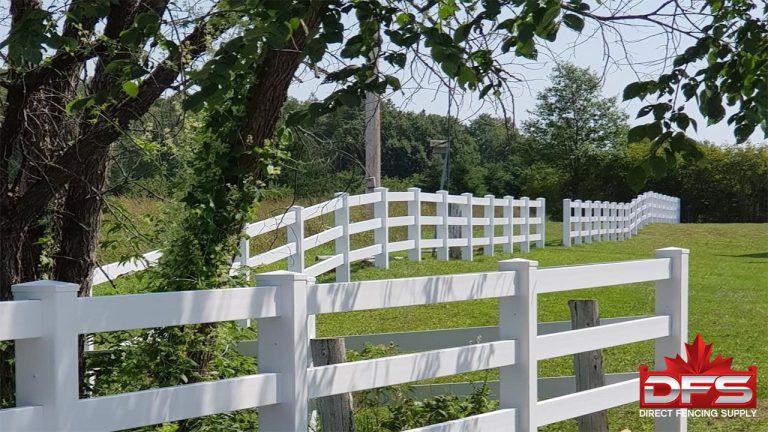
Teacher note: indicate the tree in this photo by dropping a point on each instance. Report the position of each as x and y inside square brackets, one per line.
[572, 123]
[78, 73]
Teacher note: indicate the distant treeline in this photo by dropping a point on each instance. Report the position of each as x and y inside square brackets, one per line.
[573, 146]
[730, 184]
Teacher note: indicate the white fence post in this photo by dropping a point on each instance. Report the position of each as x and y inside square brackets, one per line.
[621, 211]
[633, 217]
[588, 215]
[47, 367]
[614, 211]
[414, 230]
[579, 215]
[296, 235]
[381, 235]
[518, 383]
[244, 253]
[509, 228]
[678, 209]
[284, 350]
[541, 213]
[672, 300]
[341, 244]
[442, 230]
[526, 228]
[466, 229]
[489, 230]
[567, 222]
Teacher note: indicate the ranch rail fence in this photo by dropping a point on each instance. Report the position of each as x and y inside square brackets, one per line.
[588, 221]
[522, 221]
[46, 318]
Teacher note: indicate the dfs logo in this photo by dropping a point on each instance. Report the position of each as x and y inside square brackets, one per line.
[698, 382]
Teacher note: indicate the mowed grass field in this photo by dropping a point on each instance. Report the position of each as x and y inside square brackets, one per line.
[728, 298]
[728, 305]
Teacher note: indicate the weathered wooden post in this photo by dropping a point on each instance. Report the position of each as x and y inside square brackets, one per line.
[337, 411]
[588, 366]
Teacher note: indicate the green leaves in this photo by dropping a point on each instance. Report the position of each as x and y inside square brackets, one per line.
[131, 88]
[574, 22]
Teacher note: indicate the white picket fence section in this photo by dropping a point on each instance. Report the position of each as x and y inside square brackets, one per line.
[588, 221]
[46, 317]
[523, 221]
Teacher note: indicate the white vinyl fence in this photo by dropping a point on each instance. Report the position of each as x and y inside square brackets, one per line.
[522, 221]
[588, 221]
[46, 317]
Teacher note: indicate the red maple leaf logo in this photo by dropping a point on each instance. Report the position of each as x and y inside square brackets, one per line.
[682, 383]
[698, 362]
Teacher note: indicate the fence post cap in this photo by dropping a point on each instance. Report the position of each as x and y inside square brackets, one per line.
[380, 189]
[282, 274]
[515, 263]
[671, 251]
[414, 189]
[45, 286]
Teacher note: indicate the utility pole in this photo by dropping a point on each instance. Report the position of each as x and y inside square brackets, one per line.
[373, 133]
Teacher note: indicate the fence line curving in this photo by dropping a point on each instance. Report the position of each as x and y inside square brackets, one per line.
[522, 222]
[594, 221]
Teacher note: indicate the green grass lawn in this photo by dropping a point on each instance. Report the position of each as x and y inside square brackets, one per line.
[728, 304]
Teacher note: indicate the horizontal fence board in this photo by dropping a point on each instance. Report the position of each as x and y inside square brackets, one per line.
[481, 201]
[602, 336]
[369, 198]
[431, 243]
[21, 419]
[426, 340]
[500, 221]
[323, 237]
[588, 401]
[134, 311]
[270, 224]
[349, 296]
[457, 220]
[272, 256]
[325, 265]
[431, 220]
[399, 196]
[481, 221]
[500, 239]
[454, 242]
[322, 208]
[504, 419]
[400, 221]
[456, 199]
[548, 387]
[430, 197]
[481, 241]
[111, 271]
[554, 279]
[401, 245]
[363, 253]
[20, 319]
[169, 404]
[362, 226]
[369, 374]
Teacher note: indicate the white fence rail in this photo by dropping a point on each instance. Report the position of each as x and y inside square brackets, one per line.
[522, 221]
[47, 316]
[588, 221]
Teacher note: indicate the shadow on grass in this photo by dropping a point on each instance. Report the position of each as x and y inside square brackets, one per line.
[754, 255]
